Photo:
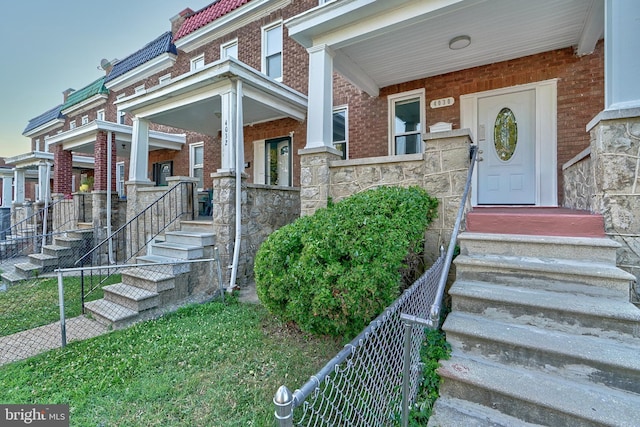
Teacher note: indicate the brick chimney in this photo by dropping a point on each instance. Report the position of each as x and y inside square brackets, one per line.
[178, 20]
[66, 94]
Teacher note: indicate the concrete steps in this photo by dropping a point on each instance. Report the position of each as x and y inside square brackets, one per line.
[146, 289]
[542, 333]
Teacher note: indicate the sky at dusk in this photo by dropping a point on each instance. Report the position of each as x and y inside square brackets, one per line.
[50, 46]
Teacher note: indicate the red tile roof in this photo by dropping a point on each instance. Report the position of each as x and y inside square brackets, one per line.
[207, 15]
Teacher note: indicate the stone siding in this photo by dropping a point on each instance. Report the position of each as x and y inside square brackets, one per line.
[615, 154]
[579, 188]
[264, 210]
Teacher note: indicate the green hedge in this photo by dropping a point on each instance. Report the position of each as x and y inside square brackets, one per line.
[336, 270]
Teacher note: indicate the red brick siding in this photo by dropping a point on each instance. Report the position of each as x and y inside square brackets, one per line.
[62, 171]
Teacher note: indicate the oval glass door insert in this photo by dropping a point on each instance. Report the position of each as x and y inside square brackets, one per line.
[505, 134]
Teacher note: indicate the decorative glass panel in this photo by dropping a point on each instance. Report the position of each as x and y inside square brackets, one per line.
[505, 134]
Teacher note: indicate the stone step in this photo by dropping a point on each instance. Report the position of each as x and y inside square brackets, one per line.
[598, 250]
[177, 250]
[535, 397]
[603, 317]
[149, 279]
[109, 313]
[12, 278]
[131, 297]
[70, 242]
[46, 262]
[84, 234]
[449, 411]
[526, 271]
[583, 358]
[29, 270]
[202, 226]
[175, 265]
[58, 251]
[191, 238]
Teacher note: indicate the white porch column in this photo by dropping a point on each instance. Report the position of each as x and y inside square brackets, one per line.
[42, 181]
[7, 191]
[139, 163]
[320, 99]
[228, 121]
[19, 186]
[622, 58]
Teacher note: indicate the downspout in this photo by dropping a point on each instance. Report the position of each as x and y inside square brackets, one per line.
[109, 161]
[239, 164]
[46, 206]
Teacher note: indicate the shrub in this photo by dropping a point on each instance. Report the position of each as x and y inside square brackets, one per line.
[334, 271]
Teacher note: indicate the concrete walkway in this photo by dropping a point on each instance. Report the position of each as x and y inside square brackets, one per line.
[25, 344]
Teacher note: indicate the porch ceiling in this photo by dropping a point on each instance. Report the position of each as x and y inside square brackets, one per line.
[193, 101]
[378, 43]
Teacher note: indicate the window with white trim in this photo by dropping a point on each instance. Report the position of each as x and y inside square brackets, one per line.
[120, 179]
[229, 49]
[196, 162]
[164, 79]
[120, 114]
[72, 124]
[197, 62]
[85, 120]
[138, 89]
[100, 115]
[36, 144]
[406, 122]
[272, 51]
[341, 130]
[272, 161]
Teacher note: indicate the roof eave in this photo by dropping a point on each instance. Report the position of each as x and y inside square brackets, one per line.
[232, 21]
[87, 104]
[141, 72]
[44, 128]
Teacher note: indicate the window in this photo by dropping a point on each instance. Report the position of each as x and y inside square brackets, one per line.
[139, 89]
[196, 163]
[340, 130]
[164, 79]
[121, 116]
[36, 144]
[120, 179]
[272, 51]
[72, 124]
[162, 171]
[85, 120]
[197, 62]
[406, 118]
[100, 115]
[229, 49]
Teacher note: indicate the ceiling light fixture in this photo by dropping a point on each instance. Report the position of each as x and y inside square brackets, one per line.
[459, 42]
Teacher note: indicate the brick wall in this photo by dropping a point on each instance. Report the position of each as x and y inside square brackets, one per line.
[580, 98]
[62, 171]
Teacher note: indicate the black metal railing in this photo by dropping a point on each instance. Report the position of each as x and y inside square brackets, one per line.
[132, 238]
[37, 229]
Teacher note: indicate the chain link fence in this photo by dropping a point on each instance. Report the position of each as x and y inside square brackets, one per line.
[363, 384]
[46, 311]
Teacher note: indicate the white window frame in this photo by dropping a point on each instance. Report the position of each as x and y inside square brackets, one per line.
[164, 79]
[192, 165]
[100, 115]
[120, 179]
[339, 109]
[72, 124]
[120, 115]
[195, 62]
[266, 29]
[37, 144]
[85, 120]
[225, 46]
[402, 97]
[138, 89]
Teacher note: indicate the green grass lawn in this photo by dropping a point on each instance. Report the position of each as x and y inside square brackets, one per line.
[35, 302]
[205, 365]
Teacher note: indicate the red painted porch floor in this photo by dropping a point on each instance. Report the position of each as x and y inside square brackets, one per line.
[537, 221]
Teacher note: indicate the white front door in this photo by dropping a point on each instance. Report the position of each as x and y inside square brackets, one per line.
[507, 144]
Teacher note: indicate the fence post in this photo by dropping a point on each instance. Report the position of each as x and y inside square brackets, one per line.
[63, 323]
[406, 375]
[284, 407]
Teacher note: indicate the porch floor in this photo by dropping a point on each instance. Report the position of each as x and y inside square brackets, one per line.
[536, 221]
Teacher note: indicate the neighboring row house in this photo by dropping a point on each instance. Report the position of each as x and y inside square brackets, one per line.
[274, 106]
